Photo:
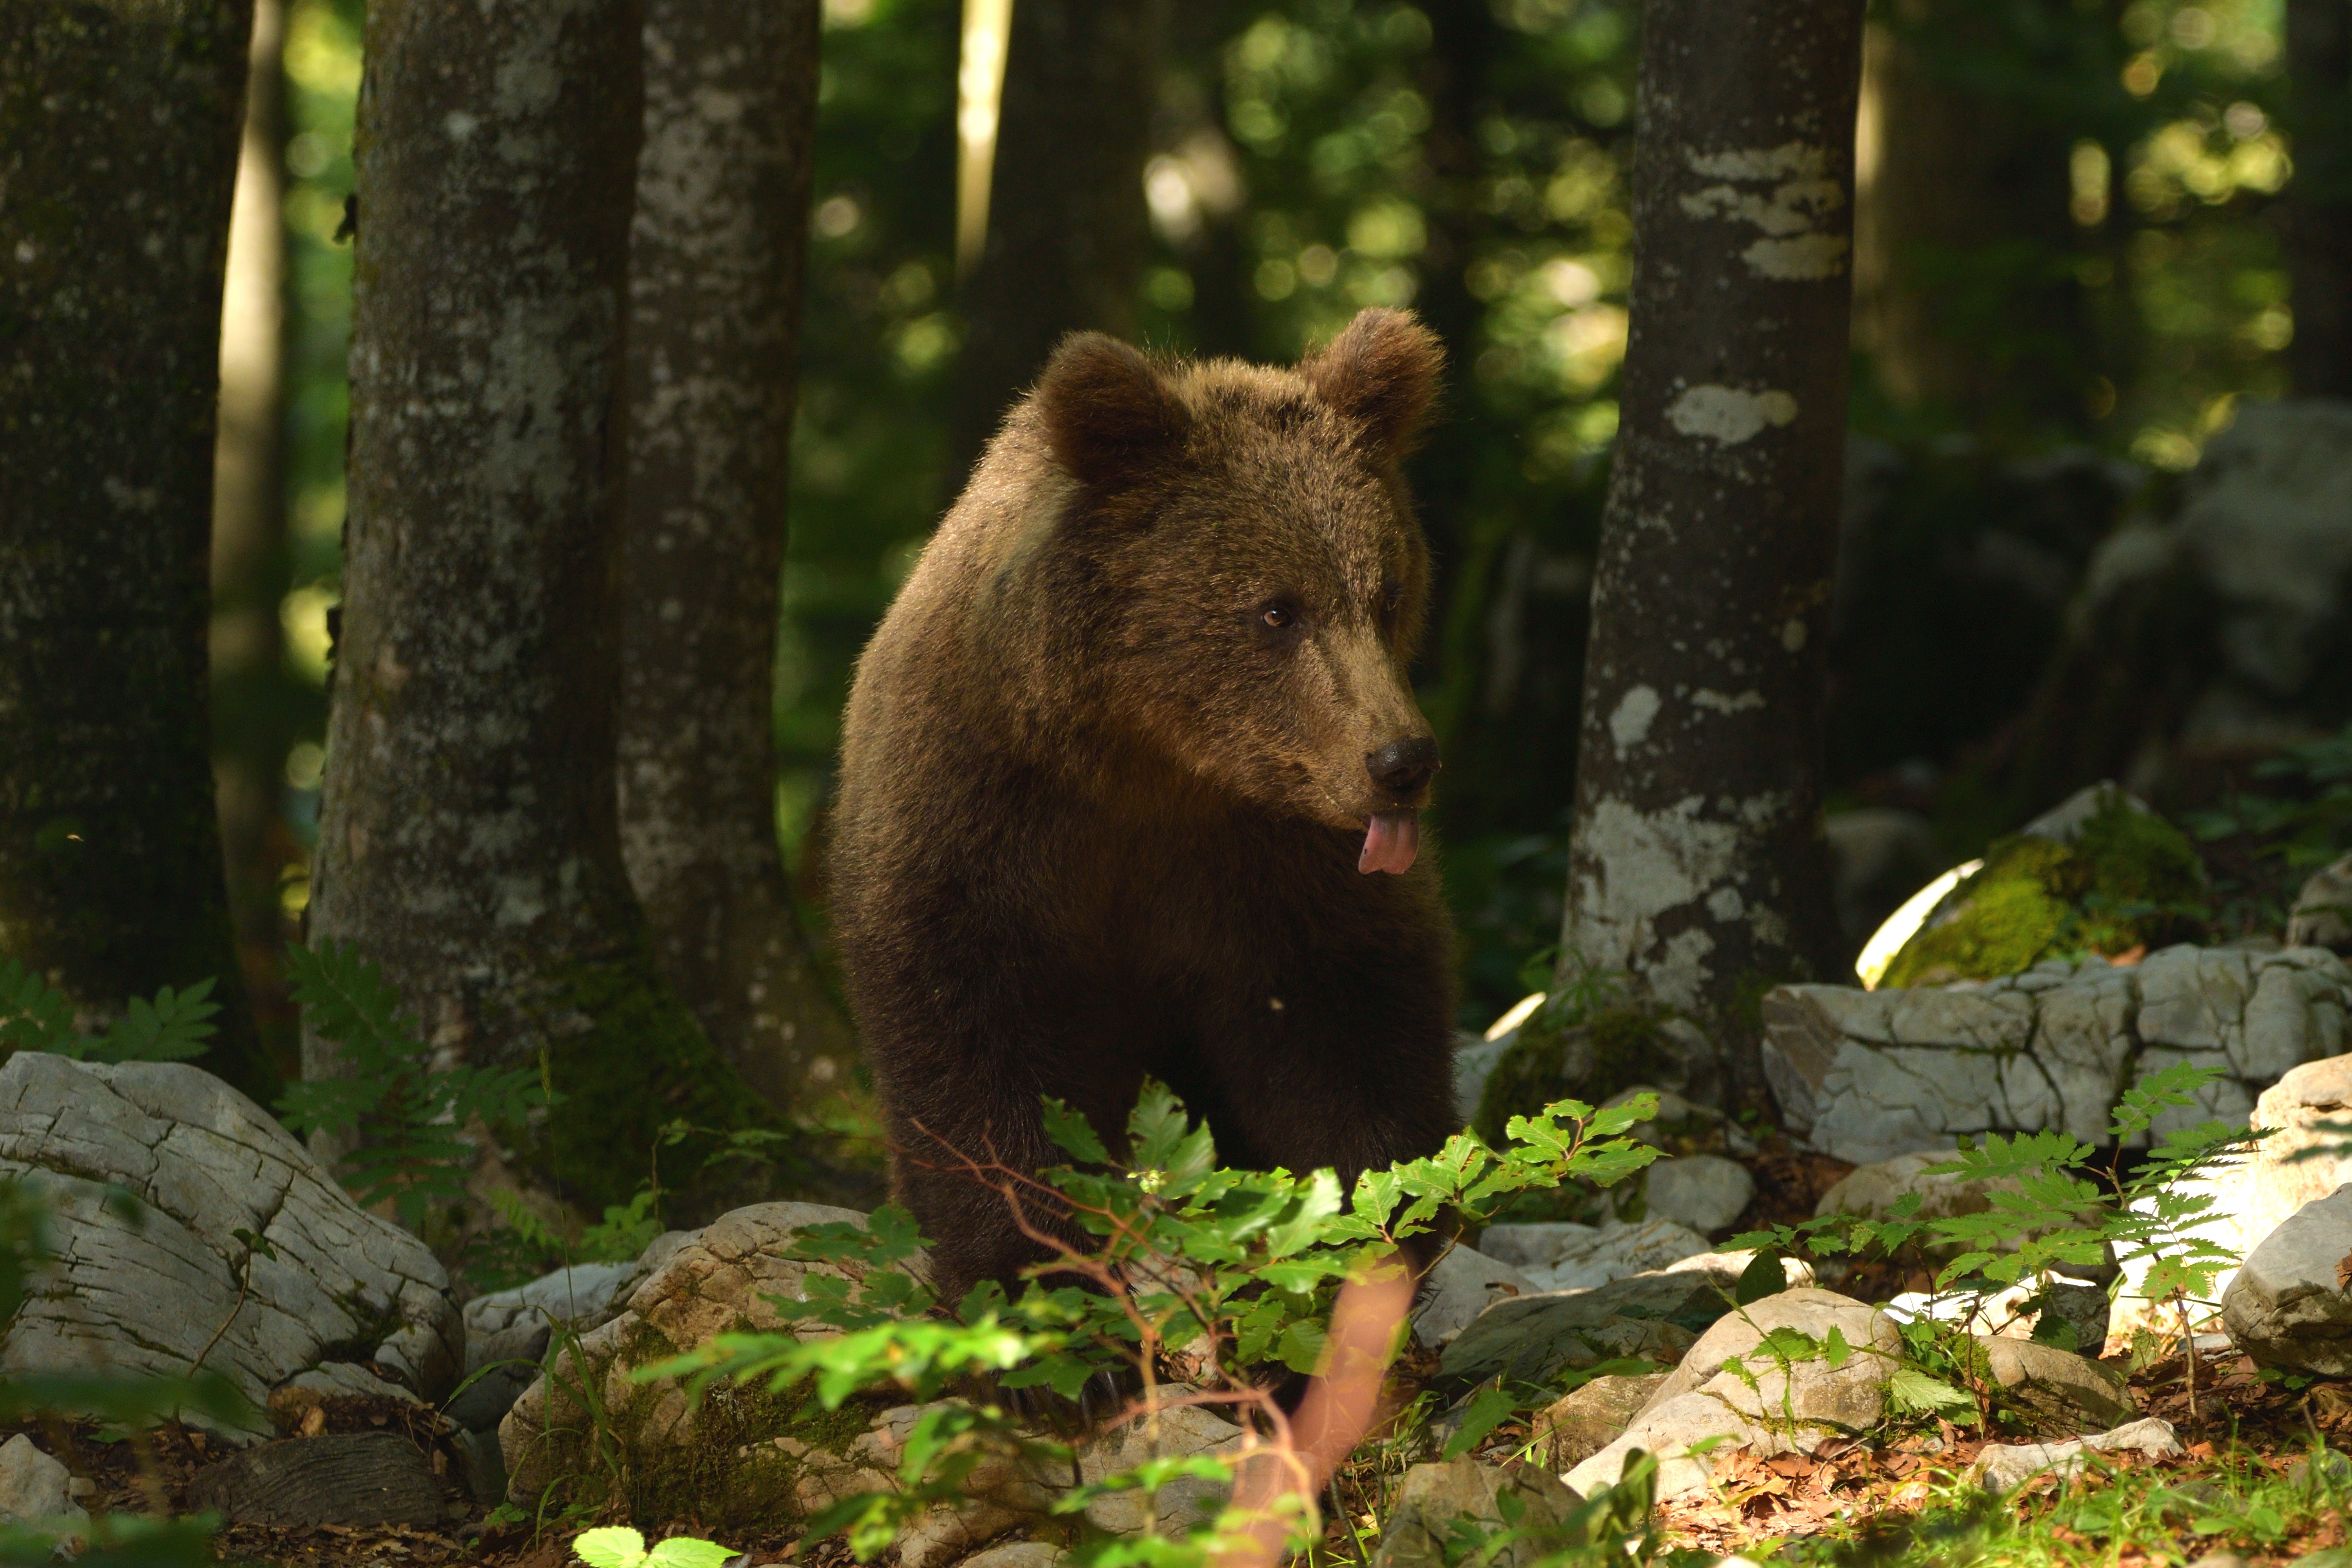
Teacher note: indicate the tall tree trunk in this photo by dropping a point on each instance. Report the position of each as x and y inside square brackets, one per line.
[468, 839]
[1066, 215]
[716, 263]
[255, 705]
[1696, 862]
[2319, 201]
[118, 152]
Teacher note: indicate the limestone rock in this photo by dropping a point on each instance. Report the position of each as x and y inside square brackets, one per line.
[1871, 1192]
[1772, 1410]
[1463, 1284]
[1534, 1246]
[2004, 1466]
[1655, 1316]
[36, 1489]
[1015, 1555]
[1572, 1429]
[1869, 1076]
[2322, 915]
[2306, 1155]
[1433, 1496]
[1619, 1252]
[508, 1332]
[2058, 1385]
[205, 1163]
[2289, 1306]
[2013, 1311]
[1703, 1192]
[719, 1279]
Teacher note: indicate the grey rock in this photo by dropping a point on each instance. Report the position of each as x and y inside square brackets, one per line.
[1434, 1497]
[1463, 1284]
[205, 1163]
[481, 1467]
[1618, 1251]
[2322, 915]
[1655, 1316]
[1871, 1192]
[1016, 1555]
[36, 1489]
[2057, 1384]
[2005, 1467]
[1573, 1428]
[342, 1380]
[1538, 1244]
[1873, 1076]
[1769, 1409]
[1705, 1192]
[1473, 1060]
[508, 1332]
[2288, 1306]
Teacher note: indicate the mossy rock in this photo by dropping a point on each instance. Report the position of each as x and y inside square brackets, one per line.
[1591, 1057]
[2122, 879]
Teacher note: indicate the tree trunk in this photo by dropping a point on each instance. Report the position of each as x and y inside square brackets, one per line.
[468, 838]
[716, 263]
[1696, 862]
[118, 152]
[2319, 201]
[1067, 216]
[256, 706]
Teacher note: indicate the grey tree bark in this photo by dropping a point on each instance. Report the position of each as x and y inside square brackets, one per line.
[717, 255]
[1696, 862]
[468, 838]
[1067, 216]
[257, 705]
[2319, 200]
[118, 151]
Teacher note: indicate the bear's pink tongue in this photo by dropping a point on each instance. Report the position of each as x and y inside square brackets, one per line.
[1391, 841]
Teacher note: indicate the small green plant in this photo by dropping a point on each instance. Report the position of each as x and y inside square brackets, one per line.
[2054, 1201]
[36, 1016]
[1196, 1276]
[2309, 827]
[618, 1547]
[404, 1117]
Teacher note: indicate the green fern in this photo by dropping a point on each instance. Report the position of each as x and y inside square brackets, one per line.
[404, 1116]
[36, 1016]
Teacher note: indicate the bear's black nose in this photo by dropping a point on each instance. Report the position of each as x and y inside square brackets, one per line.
[1402, 767]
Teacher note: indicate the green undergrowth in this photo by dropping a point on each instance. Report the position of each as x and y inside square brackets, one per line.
[2128, 880]
[2258, 1507]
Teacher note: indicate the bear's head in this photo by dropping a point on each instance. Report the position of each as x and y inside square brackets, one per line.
[1246, 540]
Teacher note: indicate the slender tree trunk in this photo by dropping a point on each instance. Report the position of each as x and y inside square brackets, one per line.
[716, 263]
[256, 704]
[1067, 216]
[468, 839]
[1696, 861]
[118, 152]
[2319, 201]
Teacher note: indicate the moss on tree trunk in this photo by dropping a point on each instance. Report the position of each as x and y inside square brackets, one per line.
[468, 839]
[716, 262]
[118, 152]
[1696, 861]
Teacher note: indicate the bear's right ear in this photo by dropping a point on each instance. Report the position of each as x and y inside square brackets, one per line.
[1106, 411]
[1381, 372]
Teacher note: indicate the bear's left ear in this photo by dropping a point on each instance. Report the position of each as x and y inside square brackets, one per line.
[1383, 372]
[1107, 413]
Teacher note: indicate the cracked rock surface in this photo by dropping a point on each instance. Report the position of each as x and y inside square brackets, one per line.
[1868, 1075]
[154, 1290]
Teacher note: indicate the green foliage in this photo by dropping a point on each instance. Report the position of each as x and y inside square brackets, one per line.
[36, 1016]
[1218, 1270]
[1587, 1039]
[619, 1547]
[405, 1117]
[2308, 826]
[2128, 880]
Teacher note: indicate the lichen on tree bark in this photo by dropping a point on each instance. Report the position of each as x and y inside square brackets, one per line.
[468, 838]
[716, 257]
[118, 152]
[1696, 862]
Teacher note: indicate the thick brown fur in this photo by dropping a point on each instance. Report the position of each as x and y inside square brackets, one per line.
[1100, 816]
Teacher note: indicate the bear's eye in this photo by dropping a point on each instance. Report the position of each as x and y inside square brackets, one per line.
[1277, 617]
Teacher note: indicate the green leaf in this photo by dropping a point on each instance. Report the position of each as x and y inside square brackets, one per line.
[1073, 1134]
[1834, 1349]
[1488, 1409]
[1915, 1390]
[614, 1546]
[1763, 1277]
[686, 1552]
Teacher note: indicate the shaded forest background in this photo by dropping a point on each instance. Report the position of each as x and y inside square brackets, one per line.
[2071, 267]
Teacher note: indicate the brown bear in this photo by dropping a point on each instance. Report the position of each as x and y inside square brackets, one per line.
[1129, 784]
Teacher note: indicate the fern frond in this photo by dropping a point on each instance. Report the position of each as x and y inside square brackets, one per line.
[172, 1028]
